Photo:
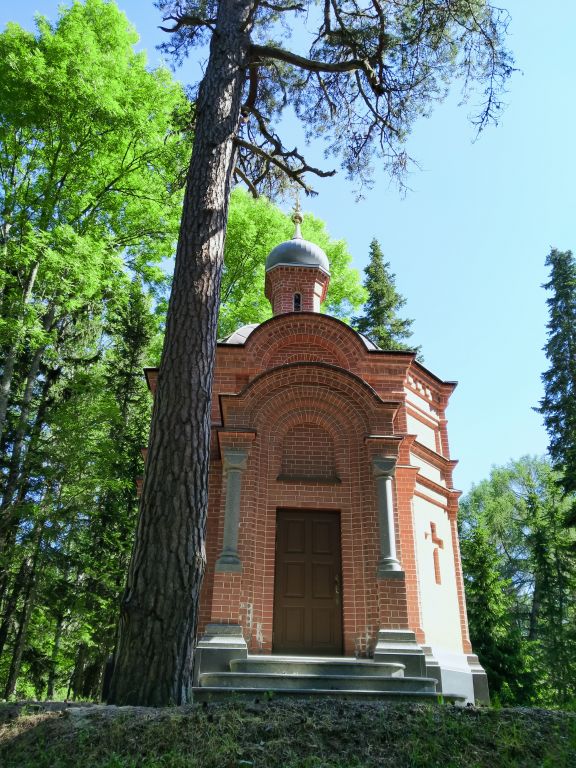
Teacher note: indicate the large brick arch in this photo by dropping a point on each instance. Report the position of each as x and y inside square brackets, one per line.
[280, 415]
[335, 402]
[291, 337]
[308, 386]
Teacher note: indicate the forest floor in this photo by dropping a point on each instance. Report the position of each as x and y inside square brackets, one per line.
[286, 734]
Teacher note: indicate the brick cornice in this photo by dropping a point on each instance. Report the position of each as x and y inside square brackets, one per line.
[433, 457]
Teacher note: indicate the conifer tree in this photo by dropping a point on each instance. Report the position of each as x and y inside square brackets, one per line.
[558, 406]
[495, 636]
[380, 321]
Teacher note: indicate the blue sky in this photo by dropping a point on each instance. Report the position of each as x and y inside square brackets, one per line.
[468, 241]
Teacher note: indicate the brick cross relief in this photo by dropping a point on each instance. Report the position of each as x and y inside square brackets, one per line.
[438, 545]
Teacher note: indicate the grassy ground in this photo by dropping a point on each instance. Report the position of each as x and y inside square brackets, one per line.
[290, 734]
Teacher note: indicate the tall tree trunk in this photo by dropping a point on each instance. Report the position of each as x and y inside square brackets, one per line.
[21, 430]
[159, 609]
[25, 614]
[535, 610]
[54, 657]
[12, 601]
[9, 517]
[75, 684]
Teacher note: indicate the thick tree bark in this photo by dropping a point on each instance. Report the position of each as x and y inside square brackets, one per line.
[159, 608]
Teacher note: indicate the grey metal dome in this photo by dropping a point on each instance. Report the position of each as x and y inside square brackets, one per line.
[240, 334]
[298, 253]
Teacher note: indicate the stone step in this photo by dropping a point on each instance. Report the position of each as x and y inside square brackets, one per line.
[339, 682]
[303, 665]
[259, 695]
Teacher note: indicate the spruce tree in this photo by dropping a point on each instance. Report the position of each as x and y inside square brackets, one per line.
[494, 634]
[380, 321]
[558, 406]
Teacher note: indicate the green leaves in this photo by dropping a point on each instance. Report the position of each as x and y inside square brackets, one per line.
[92, 148]
[255, 227]
[86, 132]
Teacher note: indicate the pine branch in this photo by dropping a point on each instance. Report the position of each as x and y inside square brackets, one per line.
[263, 52]
[283, 164]
[187, 21]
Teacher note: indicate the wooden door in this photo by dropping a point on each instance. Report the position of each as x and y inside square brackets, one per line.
[307, 589]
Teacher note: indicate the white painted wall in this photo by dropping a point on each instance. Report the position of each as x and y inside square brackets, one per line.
[439, 602]
[420, 401]
[425, 434]
[427, 470]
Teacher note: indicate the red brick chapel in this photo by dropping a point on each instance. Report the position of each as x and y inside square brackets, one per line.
[332, 515]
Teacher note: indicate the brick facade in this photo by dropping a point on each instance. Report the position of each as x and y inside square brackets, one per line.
[311, 404]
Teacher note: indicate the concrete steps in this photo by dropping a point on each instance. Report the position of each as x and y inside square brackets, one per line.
[258, 676]
[303, 665]
[271, 681]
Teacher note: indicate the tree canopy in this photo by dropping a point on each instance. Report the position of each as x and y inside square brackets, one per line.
[91, 159]
[370, 71]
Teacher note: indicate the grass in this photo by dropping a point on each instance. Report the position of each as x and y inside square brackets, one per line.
[292, 734]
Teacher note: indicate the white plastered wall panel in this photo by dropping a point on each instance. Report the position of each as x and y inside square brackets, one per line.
[421, 402]
[424, 434]
[439, 601]
[427, 470]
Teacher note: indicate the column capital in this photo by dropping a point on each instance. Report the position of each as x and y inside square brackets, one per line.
[234, 458]
[383, 466]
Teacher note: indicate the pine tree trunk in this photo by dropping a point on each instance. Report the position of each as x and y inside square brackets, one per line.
[54, 657]
[160, 605]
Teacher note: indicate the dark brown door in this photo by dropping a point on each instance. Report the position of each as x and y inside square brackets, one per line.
[307, 590]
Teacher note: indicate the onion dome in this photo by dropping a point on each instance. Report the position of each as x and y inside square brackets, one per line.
[298, 252]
